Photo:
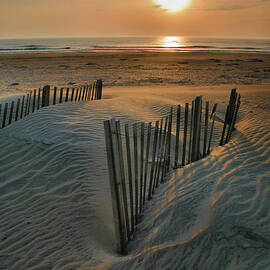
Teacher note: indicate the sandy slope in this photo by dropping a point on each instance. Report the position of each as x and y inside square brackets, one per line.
[55, 204]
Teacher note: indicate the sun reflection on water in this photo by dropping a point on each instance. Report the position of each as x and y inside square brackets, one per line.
[171, 42]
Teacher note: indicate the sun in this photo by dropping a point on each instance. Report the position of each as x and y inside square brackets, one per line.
[172, 5]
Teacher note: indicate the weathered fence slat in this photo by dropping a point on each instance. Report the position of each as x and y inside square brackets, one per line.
[38, 100]
[46, 96]
[164, 143]
[17, 109]
[150, 189]
[67, 92]
[29, 103]
[80, 94]
[5, 115]
[135, 143]
[211, 133]
[76, 96]
[22, 107]
[26, 105]
[54, 95]
[122, 174]
[72, 94]
[185, 135]
[141, 167]
[11, 112]
[224, 126]
[205, 128]
[114, 183]
[191, 133]
[149, 129]
[131, 199]
[34, 101]
[156, 177]
[61, 95]
[178, 119]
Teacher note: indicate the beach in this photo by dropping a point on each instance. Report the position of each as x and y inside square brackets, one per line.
[32, 70]
[55, 203]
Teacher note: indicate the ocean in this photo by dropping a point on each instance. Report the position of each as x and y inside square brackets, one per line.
[114, 44]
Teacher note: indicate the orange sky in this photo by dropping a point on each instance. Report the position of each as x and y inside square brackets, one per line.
[36, 18]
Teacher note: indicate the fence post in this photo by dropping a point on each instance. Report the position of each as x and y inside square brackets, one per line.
[72, 94]
[5, 115]
[67, 92]
[141, 167]
[29, 103]
[164, 146]
[130, 178]
[46, 96]
[22, 107]
[169, 140]
[99, 89]
[93, 90]
[34, 101]
[146, 159]
[211, 133]
[54, 95]
[178, 118]
[26, 105]
[11, 112]
[17, 109]
[196, 130]
[185, 135]
[38, 100]
[156, 177]
[114, 183]
[151, 187]
[61, 95]
[191, 133]
[205, 127]
[136, 172]
[122, 175]
[80, 94]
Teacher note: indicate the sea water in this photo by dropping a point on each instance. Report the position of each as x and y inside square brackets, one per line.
[115, 44]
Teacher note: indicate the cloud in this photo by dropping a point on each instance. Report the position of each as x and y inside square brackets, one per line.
[228, 4]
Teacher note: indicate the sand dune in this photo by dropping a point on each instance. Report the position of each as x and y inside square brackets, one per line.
[55, 201]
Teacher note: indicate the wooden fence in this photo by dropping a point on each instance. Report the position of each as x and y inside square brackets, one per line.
[140, 155]
[37, 99]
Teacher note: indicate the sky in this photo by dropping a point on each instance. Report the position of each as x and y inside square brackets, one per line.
[79, 18]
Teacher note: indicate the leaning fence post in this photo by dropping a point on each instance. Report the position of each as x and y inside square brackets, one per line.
[185, 135]
[80, 94]
[93, 90]
[156, 177]
[151, 187]
[205, 127]
[72, 94]
[130, 178]
[46, 96]
[5, 115]
[114, 183]
[211, 133]
[17, 109]
[164, 150]
[224, 126]
[146, 160]
[11, 112]
[178, 118]
[29, 103]
[26, 105]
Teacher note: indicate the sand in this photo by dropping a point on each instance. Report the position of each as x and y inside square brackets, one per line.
[54, 193]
